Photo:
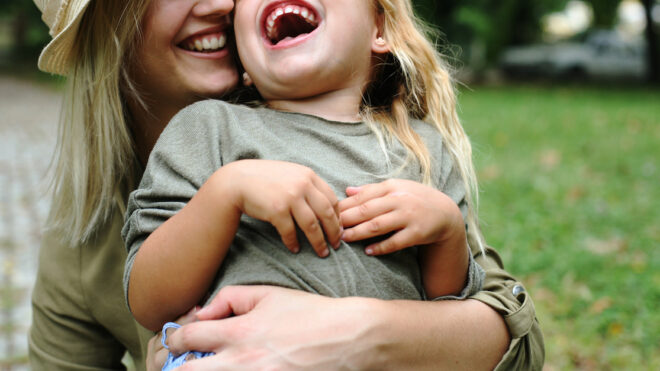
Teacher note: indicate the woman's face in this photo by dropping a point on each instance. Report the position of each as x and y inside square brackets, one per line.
[184, 55]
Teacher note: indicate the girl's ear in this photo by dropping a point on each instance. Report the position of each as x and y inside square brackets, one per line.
[378, 44]
[247, 80]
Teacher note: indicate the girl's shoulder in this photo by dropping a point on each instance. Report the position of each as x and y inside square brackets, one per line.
[427, 131]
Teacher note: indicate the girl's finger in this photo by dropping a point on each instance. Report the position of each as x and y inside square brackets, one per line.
[377, 226]
[309, 224]
[398, 241]
[365, 193]
[287, 231]
[327, 215]
[368, 210]
[322, 186]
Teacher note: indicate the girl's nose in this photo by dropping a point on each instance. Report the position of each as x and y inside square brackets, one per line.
[213, 8]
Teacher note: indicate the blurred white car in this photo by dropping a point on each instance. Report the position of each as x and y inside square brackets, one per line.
[601, 55]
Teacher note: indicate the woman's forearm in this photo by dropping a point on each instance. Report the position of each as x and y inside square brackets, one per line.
[442, 335]
[272, 327]
[177, 262]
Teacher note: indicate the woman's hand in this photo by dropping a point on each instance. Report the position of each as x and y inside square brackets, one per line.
[285, 194]
[277, 328]
[416, 213]
[156, 353]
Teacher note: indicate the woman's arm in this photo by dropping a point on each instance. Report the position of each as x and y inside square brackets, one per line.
[284, 327]
[288, 329]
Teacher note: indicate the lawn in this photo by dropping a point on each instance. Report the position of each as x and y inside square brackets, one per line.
[570, 196]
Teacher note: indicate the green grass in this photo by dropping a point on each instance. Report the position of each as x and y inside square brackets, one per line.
[570, 196]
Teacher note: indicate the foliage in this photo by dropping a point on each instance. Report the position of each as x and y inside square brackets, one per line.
[605, 12]
[569, 197]
[28, 32]
[487, 25]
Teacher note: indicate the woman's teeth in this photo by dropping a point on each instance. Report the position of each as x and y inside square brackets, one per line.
[205, 43]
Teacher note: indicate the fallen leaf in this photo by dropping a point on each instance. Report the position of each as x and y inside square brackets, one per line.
[615, 329]
[550, 159]
[606, 247]
[600, 305]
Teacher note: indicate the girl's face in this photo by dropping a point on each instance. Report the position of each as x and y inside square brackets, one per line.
[303, 48]
[184, 54]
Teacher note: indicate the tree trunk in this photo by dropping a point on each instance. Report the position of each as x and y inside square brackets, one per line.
[652, 41]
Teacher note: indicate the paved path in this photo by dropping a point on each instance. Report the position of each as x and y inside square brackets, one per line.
[28, 119]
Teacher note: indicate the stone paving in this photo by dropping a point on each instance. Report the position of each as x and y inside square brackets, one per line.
[28, 119]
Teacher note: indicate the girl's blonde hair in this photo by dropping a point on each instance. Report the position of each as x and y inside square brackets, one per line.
[414, 81]
[94, 155]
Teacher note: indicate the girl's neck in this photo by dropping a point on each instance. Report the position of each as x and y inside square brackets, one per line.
[339, 105]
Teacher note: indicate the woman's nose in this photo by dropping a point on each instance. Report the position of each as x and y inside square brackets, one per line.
[213, 8]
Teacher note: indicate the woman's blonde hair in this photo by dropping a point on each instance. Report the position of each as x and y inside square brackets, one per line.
[94, 155]
[415, 81]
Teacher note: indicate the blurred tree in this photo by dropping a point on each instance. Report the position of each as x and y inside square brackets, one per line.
[653, 41]
[604, 12]
[483, 28]
[28, 33]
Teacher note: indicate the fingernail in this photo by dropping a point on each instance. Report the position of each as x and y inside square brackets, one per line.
[369, 251]
[325, 253]
[337, 244]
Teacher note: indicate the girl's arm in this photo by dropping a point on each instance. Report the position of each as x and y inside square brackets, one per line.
[176, 264]
[418, 215]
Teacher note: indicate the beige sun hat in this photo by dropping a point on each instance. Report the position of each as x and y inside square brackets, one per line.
[63, 19]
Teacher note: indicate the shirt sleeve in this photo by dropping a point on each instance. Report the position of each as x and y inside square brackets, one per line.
[184, 157]
[508, 297]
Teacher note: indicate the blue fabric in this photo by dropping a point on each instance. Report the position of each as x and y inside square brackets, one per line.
[176, 361]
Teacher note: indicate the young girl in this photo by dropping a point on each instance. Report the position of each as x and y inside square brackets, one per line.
[346, 85]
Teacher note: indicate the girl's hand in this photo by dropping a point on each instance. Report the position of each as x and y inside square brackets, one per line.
[285, 194]
[416, 213]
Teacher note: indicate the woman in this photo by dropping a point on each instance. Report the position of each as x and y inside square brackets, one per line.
[130, 68]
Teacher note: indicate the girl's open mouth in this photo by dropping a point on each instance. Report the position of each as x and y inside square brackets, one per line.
[287, 21]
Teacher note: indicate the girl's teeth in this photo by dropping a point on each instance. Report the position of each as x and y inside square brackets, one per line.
[298, 10]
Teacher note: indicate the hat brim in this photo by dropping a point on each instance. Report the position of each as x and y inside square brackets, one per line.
[56, 57]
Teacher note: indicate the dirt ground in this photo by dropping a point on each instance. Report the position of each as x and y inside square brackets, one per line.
[28, 119]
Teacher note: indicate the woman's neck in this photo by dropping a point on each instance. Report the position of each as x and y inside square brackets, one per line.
[147, 124]
[340, 105]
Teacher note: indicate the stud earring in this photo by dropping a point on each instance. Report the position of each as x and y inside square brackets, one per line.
[247, 80]
[380, 41]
